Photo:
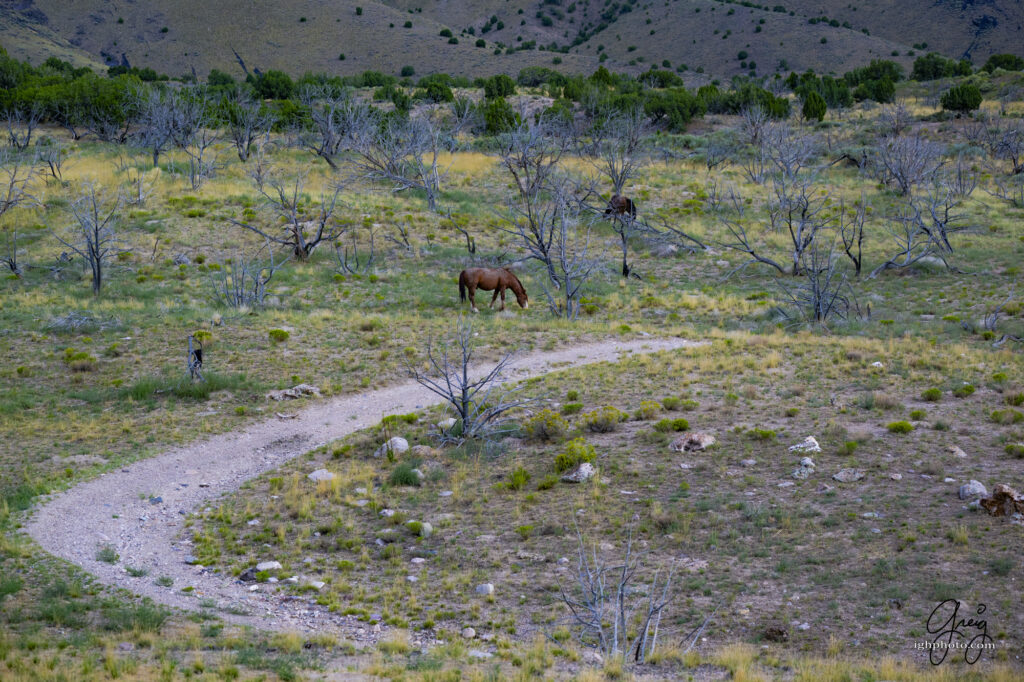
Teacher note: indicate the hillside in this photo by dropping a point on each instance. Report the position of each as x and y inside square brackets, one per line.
[178, 37]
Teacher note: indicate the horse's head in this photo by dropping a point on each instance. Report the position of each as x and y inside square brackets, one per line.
[518, 289]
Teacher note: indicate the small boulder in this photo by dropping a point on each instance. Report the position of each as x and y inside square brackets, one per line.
[485, 589]
[805, 469]
[692, 442]
[268, 566]
[476, 653]
[395, 446]
[294, 392]
[848, 475]
[446, 424]
[957, 452]
[583, 472]
[468, 633]
[972, 490]
[809, 444]
[321, 475]
[748, 462]
[1005, 501]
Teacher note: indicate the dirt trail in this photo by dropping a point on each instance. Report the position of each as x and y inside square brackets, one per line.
[121, 508]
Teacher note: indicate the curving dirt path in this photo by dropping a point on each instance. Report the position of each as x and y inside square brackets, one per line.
[121, 509]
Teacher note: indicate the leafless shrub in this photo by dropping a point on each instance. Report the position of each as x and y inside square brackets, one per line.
[350, 261]
[895, 118]
[570, 261]
[788, 150]
[619, 153]
[753, 121]
[335, 115]
[822, 293]
[94, 234]
[15, 176]
[53, 155]
[137, 187]
[851, 231]
[248, 120]
[478, 396]
[611, 598]
[154, 120]
[907, 161]
[21, 123]
[243, 283]
[283, 198]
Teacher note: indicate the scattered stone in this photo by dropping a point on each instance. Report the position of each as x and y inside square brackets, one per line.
[826, 488]
[1005, 501]
[411, 578]
[317, 584]
[468, 633]
[268, 566]
[423, 451]
[360, 491]
[957, 452]
[476, 653]
[692, 442]
[485, 588]
[294, 392]
[419, 474]
[785, 484]
[395, 446]
[446, 424]
[809, 444]
[805, 469]
[896, 477]
[282, 415]
[973, 490]
[387, 513]
[805, 626]
[253, 522]
[445, 493]
[254, 588]
[877, 364]
[271, 580]
[748, 462]
[361, 503]
[418, 560]
[664, 250]
[182, 259]
[156, 500]
[191, 559]
[248, 575]
[947, 479]
[426, 530]
[294, 580]
[583, 472]
[848, 475]
[692, 565]
[523, 555]
[321, 475]
[125, 646]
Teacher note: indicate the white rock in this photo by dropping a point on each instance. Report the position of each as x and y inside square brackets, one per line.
[468, 633]
[896, 477]
[809, 444]
[485, 588]
[848, 475]
[387, 513]
[268, 566]
[476, 653]
[973, 490]
[583, 472]
[411, 578]
[417, 560]
[957, 452]
[748, 462]
[446, 424]
[807, 462]
[321, 475]
[317, 584]
[395, 445]
[877, 364]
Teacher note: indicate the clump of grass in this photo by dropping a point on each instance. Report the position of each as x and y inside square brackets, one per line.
[524, 532]
[136, 572]
[1015, 399]
[958, 535]
[107, 554]
[278, 335]
[1015, 450]
[1007, 417]
[164, 581]
[963, 391]
[900, 427]
[147, 388]
[647, 410]
[518, 479]
[848, 448]
[671, 403]
[79, 361]
[548, 482]
[571, 408]
[667, 425]
[761, 434]
[576, 452]
[572, 395]
[546, 426]
[604, 420]
[689, 405]
[404, 475]
[932, 395]
[1001, 566]
[145, 617]
[918, 415]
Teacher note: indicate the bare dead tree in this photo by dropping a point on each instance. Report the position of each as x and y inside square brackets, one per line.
[107, 125]
[913, 245]
[666, 233]
[531, 153]
[70, 117]
[1010, 146]
[907, 161]
[301, 235]
[248, 120]
[478, 395]
[456, 224]
[1008, 188]
[570, 257]
[94, 234]
[618, 153]
[21, 122]
[755, 165]
[851, 231]
[137, 187]
[193, 131]
[15, 177]
[53, 155]
[334, 115]
[155, 120]
[463, 118]
[935, 216]
[243, 283]
[822, 293]
[732, 215]
[800, 210]
[606, 601]
[895, 118]
[717, 151]
[753, 121]
[788, 150]
[961, 180]
[401, 152]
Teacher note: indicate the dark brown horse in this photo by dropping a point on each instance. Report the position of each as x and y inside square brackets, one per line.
[620, 205]
[491, 279]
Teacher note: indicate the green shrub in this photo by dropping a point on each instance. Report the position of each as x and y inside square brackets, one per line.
[667, 425]
[1009, 62]
[671, 403]
[932, 395]
[518, 479]
[571, 408]
[572, 395]
[604, 420]
[546, 426]
[548, 482]
[900, 427]
[962, 98]
[848, 447]
[524, 532]
[1015, 450]
[403, 475]
[278, 335]
[963, 391]
[107, 554]
[648, 409]
[396, 419]
[576, 452]
[1007, 417]
[79, 361]
[761, 434]
[918, 415]
[814, 107]
[1015, 399]
[689, 405]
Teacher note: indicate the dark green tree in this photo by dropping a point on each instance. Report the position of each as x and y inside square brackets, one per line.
[814, 106]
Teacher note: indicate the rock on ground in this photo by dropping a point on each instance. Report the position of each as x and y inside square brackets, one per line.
[321, 475]
[809, 444]
[972, 490]
[485, 588]
[692, 442]
[848, 475]
[395, 446]
[295, 392]
[1005, 501]
[580, 474]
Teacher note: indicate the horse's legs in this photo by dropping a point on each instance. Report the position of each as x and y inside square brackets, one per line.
[494, 298]
[502, 300]
[472, 298]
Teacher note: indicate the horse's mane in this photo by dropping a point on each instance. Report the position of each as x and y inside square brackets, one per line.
[509, 271]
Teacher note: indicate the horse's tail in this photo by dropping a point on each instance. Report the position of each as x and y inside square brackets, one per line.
[462, 285]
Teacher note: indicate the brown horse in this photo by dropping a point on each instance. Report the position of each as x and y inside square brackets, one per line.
[488, 279]
[620, 205]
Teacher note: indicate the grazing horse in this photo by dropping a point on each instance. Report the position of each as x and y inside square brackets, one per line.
[620, 205]
[488, 279]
